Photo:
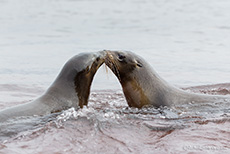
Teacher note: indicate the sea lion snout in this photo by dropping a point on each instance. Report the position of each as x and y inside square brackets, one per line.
[108, 55]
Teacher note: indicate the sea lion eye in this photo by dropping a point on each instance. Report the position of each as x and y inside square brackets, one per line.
[121, 57]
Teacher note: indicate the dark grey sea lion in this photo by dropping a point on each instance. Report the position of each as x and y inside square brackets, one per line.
[70, 89]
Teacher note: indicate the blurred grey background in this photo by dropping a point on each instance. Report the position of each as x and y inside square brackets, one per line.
[186, 42]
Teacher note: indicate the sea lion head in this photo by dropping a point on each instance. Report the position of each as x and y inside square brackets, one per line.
[121, 63]
[77, 74]
[131, 71]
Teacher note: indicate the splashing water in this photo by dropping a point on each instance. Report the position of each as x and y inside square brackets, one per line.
[108, 124]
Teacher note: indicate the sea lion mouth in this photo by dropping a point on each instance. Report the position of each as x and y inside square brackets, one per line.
[112, 64]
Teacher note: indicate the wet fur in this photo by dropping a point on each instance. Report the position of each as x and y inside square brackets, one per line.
[142, 86]
[70, 89]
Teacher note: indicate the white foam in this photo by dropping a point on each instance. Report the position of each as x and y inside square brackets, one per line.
[72, 113]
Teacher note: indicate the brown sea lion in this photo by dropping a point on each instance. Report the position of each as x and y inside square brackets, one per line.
[143, 86]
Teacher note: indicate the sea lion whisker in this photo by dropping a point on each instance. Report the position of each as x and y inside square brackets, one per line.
[113, 65]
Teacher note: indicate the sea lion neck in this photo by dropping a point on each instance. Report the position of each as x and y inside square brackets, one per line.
[144, 87]
[63, 92]
[82, 88]
[63, 88]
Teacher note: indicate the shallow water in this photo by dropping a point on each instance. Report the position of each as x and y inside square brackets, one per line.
[108, 125]
[186, 42]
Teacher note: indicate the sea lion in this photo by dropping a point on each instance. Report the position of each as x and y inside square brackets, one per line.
[143, 86]
[70, 89]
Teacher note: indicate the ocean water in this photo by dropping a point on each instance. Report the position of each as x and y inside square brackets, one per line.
[186, 42]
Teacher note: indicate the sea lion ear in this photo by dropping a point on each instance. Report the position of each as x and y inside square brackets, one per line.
[138, 63]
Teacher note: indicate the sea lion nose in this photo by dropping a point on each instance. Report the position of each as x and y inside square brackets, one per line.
[102, 54]
[107, 54]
